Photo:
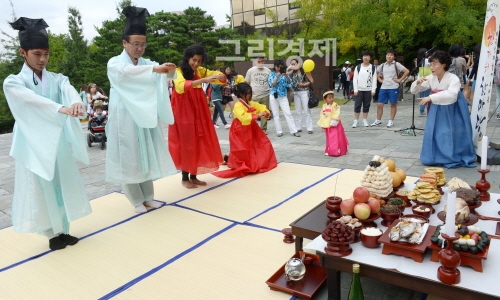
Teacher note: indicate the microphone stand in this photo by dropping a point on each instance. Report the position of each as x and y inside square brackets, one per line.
[412, 128]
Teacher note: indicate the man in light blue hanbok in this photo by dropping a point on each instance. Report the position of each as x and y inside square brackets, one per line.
[137, 153]
[48, 190]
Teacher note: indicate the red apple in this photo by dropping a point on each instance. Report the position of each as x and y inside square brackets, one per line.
[361, 194]
[374, 205]
[347, 206]
[362, 211]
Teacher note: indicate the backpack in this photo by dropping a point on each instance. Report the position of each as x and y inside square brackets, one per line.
[454, 70]
[358, 67]
[343, 76]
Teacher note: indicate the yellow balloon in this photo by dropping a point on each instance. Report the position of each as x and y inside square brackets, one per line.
[308, 65]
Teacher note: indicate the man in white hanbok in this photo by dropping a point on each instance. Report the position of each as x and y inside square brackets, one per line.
[48, 190]
[139, 99]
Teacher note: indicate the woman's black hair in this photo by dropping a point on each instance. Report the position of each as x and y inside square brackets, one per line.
[242, 89]
[454, 50]
[301, 69]
[477, 49]
[191, 51]
[421, 55]
[443, 58]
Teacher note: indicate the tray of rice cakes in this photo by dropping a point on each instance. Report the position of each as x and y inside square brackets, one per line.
[426, 190]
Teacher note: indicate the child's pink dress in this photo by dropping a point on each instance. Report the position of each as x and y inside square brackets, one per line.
[336, 140]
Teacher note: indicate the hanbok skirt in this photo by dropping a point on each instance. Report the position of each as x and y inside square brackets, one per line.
[448, 136]
[336, 140]
[251, 151]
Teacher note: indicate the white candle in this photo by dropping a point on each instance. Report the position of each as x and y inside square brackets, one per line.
[451, 209]
[484, 152]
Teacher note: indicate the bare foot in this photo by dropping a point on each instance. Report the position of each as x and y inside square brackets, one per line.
[198, 182]
[189, 185]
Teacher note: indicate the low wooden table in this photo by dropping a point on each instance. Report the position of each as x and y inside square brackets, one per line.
[310, 225]
[335, 265]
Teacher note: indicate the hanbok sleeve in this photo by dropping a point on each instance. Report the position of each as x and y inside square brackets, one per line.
[39, 126]
[335, 111]
[424, 86]
[137, 87]
[449, 95]
[241, 113]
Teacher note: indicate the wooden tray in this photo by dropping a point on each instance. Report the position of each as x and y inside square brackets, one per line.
[466, 258]
[306, 287]
[497, 232]
[472, 218]
[413, 251]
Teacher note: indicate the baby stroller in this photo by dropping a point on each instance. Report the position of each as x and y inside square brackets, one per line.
[97, 128]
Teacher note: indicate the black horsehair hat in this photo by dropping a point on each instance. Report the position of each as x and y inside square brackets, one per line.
[135, 21]
[32, 33]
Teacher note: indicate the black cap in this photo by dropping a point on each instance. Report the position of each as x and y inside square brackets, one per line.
[32, 33]
[135, 22]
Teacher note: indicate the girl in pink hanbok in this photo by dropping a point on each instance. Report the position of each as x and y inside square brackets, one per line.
[329, 120]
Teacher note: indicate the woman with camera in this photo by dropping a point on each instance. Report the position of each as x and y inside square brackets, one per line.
[279, 81]
[301, 84]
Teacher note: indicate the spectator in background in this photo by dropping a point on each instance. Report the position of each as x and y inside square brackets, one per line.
[348, 79]
[473, 74]
[257, 78]
[216, 100]
[279, 81]
[496, 81]
[343, 78]
[458, 64]
[379, 84]
[364, 88]
[301, 85]
[388, 74]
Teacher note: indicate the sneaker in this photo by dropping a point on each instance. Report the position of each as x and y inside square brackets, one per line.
[498, 116]
[216, 126]
[227, 126]
[355, 124]
[365, 123]
[390, 124]
[376, 123]
[422, 114]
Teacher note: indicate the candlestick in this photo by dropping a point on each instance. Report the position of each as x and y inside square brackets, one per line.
[450, 260]
[449, 228]
[484, 152]
[483, 186]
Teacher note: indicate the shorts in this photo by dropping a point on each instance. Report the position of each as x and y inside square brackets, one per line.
[226, 100]
[388, 95]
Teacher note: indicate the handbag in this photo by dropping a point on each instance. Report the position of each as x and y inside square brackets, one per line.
[313, 100]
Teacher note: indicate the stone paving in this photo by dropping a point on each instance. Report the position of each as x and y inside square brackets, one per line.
[364, 143]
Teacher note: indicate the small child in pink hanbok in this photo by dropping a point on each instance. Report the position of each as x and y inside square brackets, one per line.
[329, 120]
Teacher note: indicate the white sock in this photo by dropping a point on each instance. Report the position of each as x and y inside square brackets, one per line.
[140, 209]
[152, 204]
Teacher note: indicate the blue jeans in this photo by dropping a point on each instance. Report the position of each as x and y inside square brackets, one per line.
[422, 95]
[218, 111]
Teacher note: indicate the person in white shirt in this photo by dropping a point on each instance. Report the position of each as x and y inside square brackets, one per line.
[364, 88]
[388, 74]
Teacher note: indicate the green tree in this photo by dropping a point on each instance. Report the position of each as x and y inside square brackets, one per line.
[104, 46]
[76, 51]
[402, 25]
